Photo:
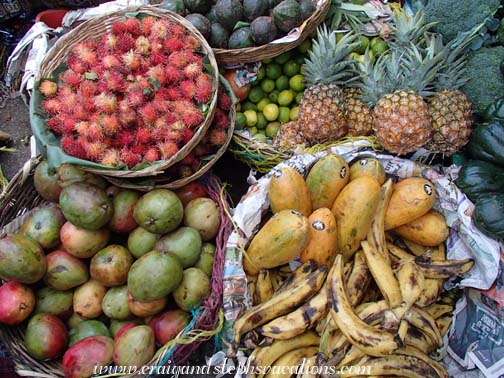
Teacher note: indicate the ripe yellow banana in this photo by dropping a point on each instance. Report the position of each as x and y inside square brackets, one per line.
[264, 287]
[299, 275]
[372, 293]
[352, 355]
[276, 280]
[417, 339]
[443, 324]
[359, 279]
[264, 357]
[289, 363]
[398, 253]
[439, 253]
[279, 305]
[310, 368]
[383, 275]
[425, 323]
[411, 281]
[446, 268]
[376, 234]
[430, 293]
[416, 249]
[371, 340]
[299, 320]
[437, 310]
[410, 351]
[252, 288]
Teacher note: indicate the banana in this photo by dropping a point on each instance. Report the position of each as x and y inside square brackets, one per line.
[439, 253]
[279, 305]
[437, 310]
[372, 293]
[398, 253]
[403, 330]
[411, 281]
[425, 323]
[276, 280]
[430, 293]
[417, 339]
[376, 234]
[309, 369]
[359, 279]
[443, 324]
[410, 351]
[371, 340]
[353, 354]
[383, 275]
[446, 268]
[264, 357]
[416, 249]
[264, 286]
[299, 275]
[407, 366]
[288, 364]
[298, 321]
[252, 288]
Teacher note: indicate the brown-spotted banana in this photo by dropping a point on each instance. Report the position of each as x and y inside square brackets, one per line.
[359, 279]
[437, 310]
[376, 234]
[289, 363]
[299, 275]
[264, 287]
[411, 281]
[310, 369]
[424, 322]
[417, 339]
[446, 268]
[411, 351]
[430, 293]
[443, 324]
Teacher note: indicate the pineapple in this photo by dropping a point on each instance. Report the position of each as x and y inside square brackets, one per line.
[322, 108]
[359, 116]
[289, 136]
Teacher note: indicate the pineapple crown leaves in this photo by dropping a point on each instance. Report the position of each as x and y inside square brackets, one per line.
[410, 29]
[328, 60]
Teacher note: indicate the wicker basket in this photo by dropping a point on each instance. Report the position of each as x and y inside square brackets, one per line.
[16, 203]
[275, 48]
[97, 26]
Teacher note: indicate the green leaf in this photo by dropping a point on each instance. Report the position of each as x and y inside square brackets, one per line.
[147, 91]
[241, 24]
[91, 76]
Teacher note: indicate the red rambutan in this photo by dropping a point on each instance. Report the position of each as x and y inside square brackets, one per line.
[110, 158]
[107, 103]
[157, 48]
[202, 149]
[191, 42]
[173, 94]
[133, 26]
[48, 88]
[158, 73]
[217, 137]
[111, 82]
[110, 124]
[124, 138]
[135, 97]
[173, 74]
[203, 93]
[88, 88]
[111, 61]
[156, 58]
[76, 65]
[80, 112]
[176, 30]
[159, 30]
[129, 158]
[148, 113]
[192, 57]
[87, 104]
[188, 89]
[147, 23]
[193, 70]
[144, 135]
[68, 124]
[109, 41]
[94, 150]
[128, 118]
[132, 60]
[224, 101]
[142, 45]
[221, 119]
[125, 42]
[193, 117]
[73, 147]
[167, 149]
[151, 155]
[118, 27]
[203, 79]
[179, 58]
[187, 135]
[173, 44]
[179, 107]
[55, 124]
[139, 149]
[81, 128]
[161, 106]
[52, 106]
[71, 78]
[94, 132]
[85, 52]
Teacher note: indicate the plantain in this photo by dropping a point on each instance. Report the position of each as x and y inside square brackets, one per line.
[411, 351]
[445, 268]
[264, 287]
[397, 254]
[310, 368]
[297, 276]
[437, 310]
[417, 339]
[430, 293]
[359, 279]
[288, 364]
[298, 321]
[351, 356]
[411, 281]
[279, 305]
[443, 324]
[371, 340]
[425, 323]
[276, 280]
[376, 234]
[383, 275]
[416, 249]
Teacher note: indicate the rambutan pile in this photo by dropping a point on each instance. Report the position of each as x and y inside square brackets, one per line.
[133, 95]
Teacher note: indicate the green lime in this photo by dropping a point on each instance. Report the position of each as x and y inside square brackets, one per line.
[253, 130]
[297, 83]
[363, 44]
[261, 73]
[284, 114]
[273, 96]
[354, 55]
[379, 47]
[273, 71]
[240, 121]
[299, 96]
[282, 83]
[267, 85]
[267, 61]
[300, 59]
[256, 94]
[271, 112]
[339, 36]
[374, 41]
[251, 116]
[247, 105]
[261, 137]
[272, 129]
[262, 122]
[283, 58]
[261, 104]
[285, 97]
[305, 46]
[294, 113]
[291, 68]
[302, 70]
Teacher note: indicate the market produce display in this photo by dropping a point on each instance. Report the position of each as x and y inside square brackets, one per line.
[369, 290]
[106, 275]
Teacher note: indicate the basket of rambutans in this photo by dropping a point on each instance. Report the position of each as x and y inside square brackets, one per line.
[127, 94]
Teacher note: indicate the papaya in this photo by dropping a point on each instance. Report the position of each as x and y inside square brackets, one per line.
[279, 241]
[288, 191]
[411, 198]
[368, 167]
[429, 230]
[354, 210]
[323, 245]
[326, 179]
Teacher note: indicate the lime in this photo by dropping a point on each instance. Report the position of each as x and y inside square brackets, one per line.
[267, 61]
[256, 94]
[273, 96]
[374, 40]
[273, 71]
[339, 36]
[284, 114]
[304, 47]
[354, 55]
[267, 85]
[271, 112]
[260, 137]
[285, 97]
[253, 130]
[282, 83]
[297, 83]
[302, 70]
[363, 44]
[240, 121]
[261, 73]
[379, 47]
[299, 96]
[251, 116]
[272, 129]
[300, 59]
[371, 56]
[283, 58]
[291, 68]
[262, 122]
[261, 104]
[248, 106]
[294, 113]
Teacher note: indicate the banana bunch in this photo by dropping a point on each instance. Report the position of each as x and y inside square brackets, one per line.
[380, 309]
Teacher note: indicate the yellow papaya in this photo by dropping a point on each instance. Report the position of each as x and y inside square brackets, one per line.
[429, 230]
[411, 198]
[288, 191]
[279, 241]
[368, 167]
[354, 211]
[326, 179]
[322, 246]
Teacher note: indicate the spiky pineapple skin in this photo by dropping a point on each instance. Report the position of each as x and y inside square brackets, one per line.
[359, 116]
[289, 136]
[401, 122]
[322, 114]
[451, 121]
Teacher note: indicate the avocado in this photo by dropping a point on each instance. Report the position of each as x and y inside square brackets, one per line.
[229, 12]
[254, 8]
[219, 36]
[263, 30]
[201, 23]
[241, 38]
[198, 6]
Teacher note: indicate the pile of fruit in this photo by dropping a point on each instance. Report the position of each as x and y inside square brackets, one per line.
[368, 292]
[233, 24]
[106, 274]
[137, 94]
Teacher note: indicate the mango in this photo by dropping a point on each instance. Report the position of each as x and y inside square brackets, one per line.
[88, 298]
[52, 301]
[135, 347]
[43, 226]
[184, 243]
[80, 360]
[64, 271]
[111, 265]
[115, 303]
[21, 259]
[46, 337]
